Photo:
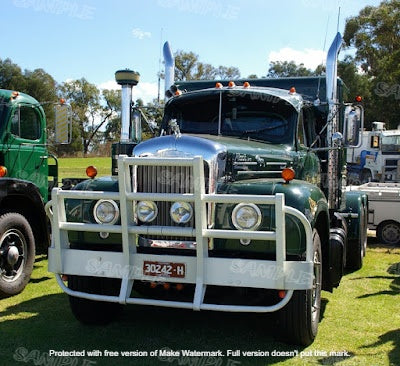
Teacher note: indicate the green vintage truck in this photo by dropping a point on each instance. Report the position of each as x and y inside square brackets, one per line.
[26, 178]
[238, 205]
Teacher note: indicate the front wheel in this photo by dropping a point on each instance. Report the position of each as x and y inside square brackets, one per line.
[300, 317]
[91, 311]
[388, 232]
[17, 253]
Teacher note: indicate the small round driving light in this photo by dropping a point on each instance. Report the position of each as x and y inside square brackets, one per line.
[106, 212]
[181, 212]
[246, 216]
[146, 211]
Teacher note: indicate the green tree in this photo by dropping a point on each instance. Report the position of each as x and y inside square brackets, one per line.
[91, 110]
[188, 67]
[374, 32]
[278, 69]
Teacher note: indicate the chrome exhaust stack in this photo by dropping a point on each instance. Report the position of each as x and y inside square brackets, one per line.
[169, 67]
[129, 137]
[127, 79]
[333, 121]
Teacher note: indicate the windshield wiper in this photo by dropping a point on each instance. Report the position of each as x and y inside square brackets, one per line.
[269, 128]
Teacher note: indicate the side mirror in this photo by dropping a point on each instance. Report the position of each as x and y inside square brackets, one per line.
[63, 123]
[353, 125]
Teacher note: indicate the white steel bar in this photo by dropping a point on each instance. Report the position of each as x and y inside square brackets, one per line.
[280, 235]
[242, 198]
[91, 195]
[140, 196]
[201, 224]
[236, 234]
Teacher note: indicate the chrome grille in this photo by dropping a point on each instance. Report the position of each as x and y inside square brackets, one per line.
[165, 179]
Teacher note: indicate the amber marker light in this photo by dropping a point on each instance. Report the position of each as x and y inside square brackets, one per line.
[3, 171]
[14, 94]
[218, 85]
[292, 90]
[281, 294]
[62, 101]
[166, 286]
[246, 84]
[91, 171]
[178, 92]
[288, 174]
[231, 84]
[179, 286]
[358, 98]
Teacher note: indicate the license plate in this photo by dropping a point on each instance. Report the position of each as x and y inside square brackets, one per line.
[164, 269]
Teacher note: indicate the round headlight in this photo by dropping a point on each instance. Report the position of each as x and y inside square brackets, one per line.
[106, 212]
[246, 216]
[146, 211]
[181, 212]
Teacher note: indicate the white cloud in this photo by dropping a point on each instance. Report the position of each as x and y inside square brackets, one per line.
[140, 34]
[144, 90]
[311, 58]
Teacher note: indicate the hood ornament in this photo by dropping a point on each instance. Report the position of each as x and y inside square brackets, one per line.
[173, 125]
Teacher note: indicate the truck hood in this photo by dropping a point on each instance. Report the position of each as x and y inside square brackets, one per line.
[231, 156]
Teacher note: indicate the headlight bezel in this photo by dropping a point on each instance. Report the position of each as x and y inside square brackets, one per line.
[115, 216]
[142, 218]
[187, 206]
[255, 209]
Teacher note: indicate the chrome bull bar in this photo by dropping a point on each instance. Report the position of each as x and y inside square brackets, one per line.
[201, 270]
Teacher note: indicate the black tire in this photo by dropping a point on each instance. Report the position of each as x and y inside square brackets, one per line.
[356, 248]
[298, 320]
[90, 311]
[17, 253]
[388, 232]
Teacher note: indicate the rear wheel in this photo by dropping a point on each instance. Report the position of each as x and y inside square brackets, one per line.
[91, 311]
[300, 317]
[17, 253]
[388, 232]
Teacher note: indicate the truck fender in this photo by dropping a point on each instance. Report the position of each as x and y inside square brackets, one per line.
[24, 197]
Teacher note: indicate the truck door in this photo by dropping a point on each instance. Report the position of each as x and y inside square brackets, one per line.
[25, 153]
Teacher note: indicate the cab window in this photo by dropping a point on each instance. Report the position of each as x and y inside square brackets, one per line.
[25, 123]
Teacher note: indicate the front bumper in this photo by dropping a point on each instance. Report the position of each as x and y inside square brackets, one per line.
[201, 270]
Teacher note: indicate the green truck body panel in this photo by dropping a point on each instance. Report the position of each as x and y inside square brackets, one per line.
[23, 139]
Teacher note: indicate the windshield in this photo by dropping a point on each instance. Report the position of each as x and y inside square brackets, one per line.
[391, 144]
[235, 114]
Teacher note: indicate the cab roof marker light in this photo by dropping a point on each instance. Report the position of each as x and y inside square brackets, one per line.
[218, 86]
[292, 90]
[246, 84]
[231, 84]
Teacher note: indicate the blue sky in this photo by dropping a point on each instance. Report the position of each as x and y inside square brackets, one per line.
[71, 39]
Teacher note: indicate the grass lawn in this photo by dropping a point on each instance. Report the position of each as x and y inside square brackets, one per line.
[361, 319]
[76, 167]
